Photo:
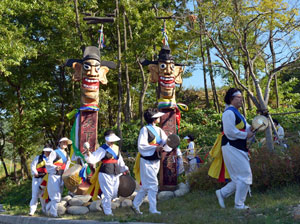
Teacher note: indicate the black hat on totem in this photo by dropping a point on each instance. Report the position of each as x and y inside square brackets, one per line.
[91, 52]
[164, 55]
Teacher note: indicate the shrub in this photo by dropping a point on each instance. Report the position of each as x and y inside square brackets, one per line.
[269, 170]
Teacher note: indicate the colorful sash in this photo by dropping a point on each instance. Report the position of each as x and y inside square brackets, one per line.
[136, 167]
[236, 111]
[110, 150]
[154, 132]
[62, 155]
[94, 189]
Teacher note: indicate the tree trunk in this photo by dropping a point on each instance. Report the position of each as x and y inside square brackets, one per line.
[143, 92]
[2, 139]
[15, 169]
[4, 166]
[62, 108]
[110, 113]
[248, 84]
[215, 95]
[273, 67]
[23, 160]
[77, 21]
[204, 72]
[128, 110]
[119, 116]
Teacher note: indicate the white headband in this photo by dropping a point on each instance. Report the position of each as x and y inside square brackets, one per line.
[237, 93]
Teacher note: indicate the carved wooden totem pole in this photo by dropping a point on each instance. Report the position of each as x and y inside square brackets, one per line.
[91, 71]
[166, 73]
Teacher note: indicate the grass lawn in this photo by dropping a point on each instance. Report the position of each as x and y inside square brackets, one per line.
[273, 206]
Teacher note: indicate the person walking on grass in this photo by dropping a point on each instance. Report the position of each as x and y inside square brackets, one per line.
[235, 153]
[150, 144]
[111, 167]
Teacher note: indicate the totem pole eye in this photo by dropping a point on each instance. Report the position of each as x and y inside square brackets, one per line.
[87, 67]
[172, 66]
[162, 66]
[97, 67]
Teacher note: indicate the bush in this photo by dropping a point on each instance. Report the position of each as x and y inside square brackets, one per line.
[269, 170]
[275, 169]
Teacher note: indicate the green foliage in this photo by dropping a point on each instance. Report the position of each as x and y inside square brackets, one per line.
[269, 169]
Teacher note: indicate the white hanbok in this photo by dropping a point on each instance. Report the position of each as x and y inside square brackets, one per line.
[109, 183]
[236, 161]
[191, 157]
[36, 191]
[55, 183]
[148, 169]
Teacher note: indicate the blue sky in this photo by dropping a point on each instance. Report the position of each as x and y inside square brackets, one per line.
[197, 81]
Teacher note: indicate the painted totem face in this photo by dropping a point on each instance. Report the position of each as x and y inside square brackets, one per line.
[166, 79]
[167, 74]
[92, 74]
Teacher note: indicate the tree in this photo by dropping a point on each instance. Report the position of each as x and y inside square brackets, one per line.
[247, 23]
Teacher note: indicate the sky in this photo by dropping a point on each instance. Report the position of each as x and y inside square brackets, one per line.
[197, 80]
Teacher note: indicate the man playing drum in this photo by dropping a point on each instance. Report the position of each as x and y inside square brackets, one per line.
[235, 153]
[150, 141]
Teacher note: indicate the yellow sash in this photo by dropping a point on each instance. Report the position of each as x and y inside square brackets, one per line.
[136, 168]
[45, 194]
[95, 186]
[216, 153]
[41, 164]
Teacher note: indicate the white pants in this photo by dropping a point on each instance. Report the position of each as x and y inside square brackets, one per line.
[148, 171]
[238, 166]
[192, 165]
[109, 185]
[55, 188]
[36, 194]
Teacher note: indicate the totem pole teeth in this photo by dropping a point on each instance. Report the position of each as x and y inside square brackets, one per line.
[167, 85]
[90, 84]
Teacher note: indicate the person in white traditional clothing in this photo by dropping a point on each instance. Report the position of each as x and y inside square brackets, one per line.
[57, 163]
[150, 141]
[191, 153]
[112, 166]
[38, 171]
[280, 132]
[235, 152]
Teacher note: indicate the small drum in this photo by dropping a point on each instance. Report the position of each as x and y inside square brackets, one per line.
[71, 178]
[260, 123]
[173, 142]
[126, 186]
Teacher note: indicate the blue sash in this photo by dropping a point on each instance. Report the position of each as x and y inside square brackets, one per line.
[60, 153]
[234, 110]
[108, 149]
[45, 158]
[153, 131]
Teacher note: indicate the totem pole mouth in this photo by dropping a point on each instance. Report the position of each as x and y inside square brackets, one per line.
[167, 82]
[90, 84]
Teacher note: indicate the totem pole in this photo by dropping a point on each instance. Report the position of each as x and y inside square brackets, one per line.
[91, 72]
[167, 73]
